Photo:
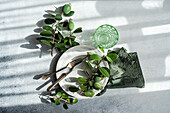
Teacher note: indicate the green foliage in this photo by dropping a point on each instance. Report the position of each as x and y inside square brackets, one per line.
[111, 57]
[101, 49]
[57, 102]
[59, 94]
[97, 79]
[95, 57]
[46, 41]
[71, 25]
[82, 87]
[60, 36]
[105, 71]
[46, 33]
[66, 8]
[58, 17]
[78, 30]
[48, 28]
[90, 83]
[75, 101]
[89, 93]
[81, 80]
[64, 96]
[73, 89]
[69, 14]
[65, 106]
[97, 86]
[49, 21]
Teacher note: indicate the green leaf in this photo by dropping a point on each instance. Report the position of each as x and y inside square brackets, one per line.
[46, 41]
[111, 57]
[82, 87]
[64, 96]
[81, 80]
[70, 42]
[63, 24]
[78, 30]
[90, 83]
[60, 36]
[58, 17]
[73, 89]
[65, 32]
[72, 38]
[57, 102]
[95, 57]
[68, 99]
[89, 64]
[48, 28]
[75, 100]
[60, 46]
[46, 33]
[65, 106]
[65, 40]
[105, 71]
[102, 49]
[59, 28]
[74, 43]
[51, 14]
[49, 21]
[89, 93]
[69, 14]
[59, 94]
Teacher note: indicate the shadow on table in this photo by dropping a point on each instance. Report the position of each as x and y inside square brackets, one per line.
[132, 103]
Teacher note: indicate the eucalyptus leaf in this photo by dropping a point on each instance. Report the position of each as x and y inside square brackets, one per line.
[89, 64]
[49, 21]
[95, 57]
[90, 83]
[46, 33]
[73, 89]
[89, 93]
[65, 106]
[104, 71]
[70, 42]
[82, 87]
[74, 43]
[69, 100]
[111, 57]
[78, 30]
[75, 100]
[58, 17]
[81, 80]
[48, 28]
[46, 41]
[102, 49]
[59, 28]
[57, 102]
[66, 32]
[60, 36]
[69, 14]
[59, 94]
[60, 46]
[64, 96]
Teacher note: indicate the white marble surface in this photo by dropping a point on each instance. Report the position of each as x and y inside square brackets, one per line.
[143, 26]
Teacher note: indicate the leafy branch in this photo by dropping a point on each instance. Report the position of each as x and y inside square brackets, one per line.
[57, 32]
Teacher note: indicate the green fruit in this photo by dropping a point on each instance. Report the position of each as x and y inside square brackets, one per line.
[97, 79]
[97, 86]
[66, 8]
[71, 26]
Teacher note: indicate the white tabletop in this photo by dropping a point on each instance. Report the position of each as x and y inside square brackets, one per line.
[143, 26]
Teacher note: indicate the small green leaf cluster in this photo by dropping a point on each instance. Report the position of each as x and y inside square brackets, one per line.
[62, 96]
[93, 82]
[57, 32]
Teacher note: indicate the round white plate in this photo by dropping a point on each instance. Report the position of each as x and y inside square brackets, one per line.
[70, 80]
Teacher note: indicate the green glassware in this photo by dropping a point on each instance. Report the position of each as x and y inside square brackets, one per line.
[106, 36]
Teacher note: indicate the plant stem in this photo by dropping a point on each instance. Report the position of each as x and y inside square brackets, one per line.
[54, 38]
[55, 97]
